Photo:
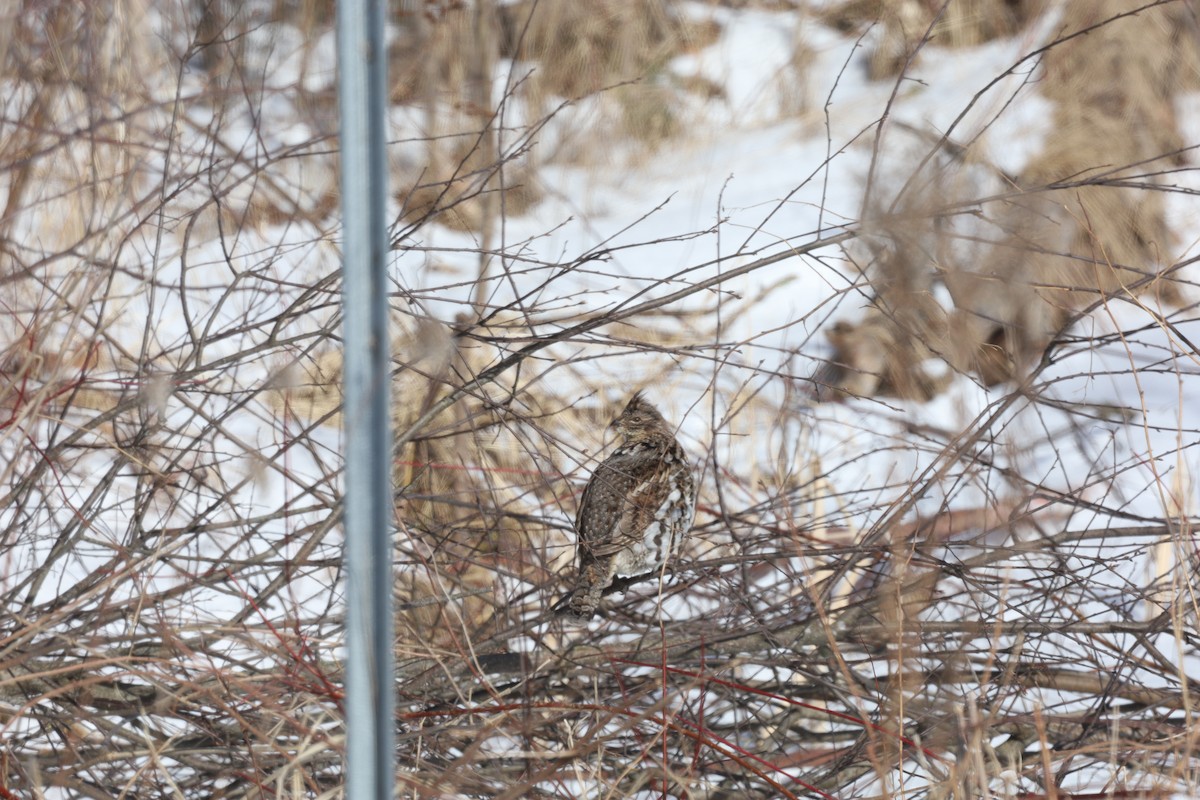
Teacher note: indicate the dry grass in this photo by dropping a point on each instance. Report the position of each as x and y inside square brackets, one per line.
[588, 48]
[170, 499]
[1085, 220]
[904, 26]
[611, 51]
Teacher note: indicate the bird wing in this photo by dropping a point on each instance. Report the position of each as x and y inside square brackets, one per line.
[619, 501]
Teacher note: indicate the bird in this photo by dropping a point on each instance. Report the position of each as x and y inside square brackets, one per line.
[636, 509]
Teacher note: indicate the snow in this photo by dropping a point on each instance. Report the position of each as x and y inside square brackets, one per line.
[752, 179]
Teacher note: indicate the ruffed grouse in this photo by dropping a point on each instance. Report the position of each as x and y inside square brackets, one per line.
[636, 508]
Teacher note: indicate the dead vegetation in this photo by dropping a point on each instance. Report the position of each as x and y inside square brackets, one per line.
[901, 27]
[950, 625]
[1083, 223]
[613, 55]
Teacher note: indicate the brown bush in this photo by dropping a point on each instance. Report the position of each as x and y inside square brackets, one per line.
[869, 602]
[1084, 221]
[905, 24]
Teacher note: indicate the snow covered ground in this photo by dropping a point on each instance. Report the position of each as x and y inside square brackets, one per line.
[1107, 441]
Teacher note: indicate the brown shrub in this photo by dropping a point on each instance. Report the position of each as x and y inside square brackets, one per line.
[1087, 220]
[904, 24]
[575, 50]
[456, 185]
[585, 47]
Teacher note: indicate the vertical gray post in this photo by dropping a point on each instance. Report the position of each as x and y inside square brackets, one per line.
[370, 687]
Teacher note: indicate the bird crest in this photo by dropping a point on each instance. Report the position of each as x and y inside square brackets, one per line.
[639, 418]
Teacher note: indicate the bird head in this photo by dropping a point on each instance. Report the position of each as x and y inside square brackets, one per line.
[638, 419]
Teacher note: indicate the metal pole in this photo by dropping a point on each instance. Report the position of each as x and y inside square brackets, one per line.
[370, 694]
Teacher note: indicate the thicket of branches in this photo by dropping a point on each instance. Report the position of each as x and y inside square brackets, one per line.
[872, 602]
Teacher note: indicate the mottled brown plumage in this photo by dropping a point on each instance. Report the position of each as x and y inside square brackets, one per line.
[636, 508]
